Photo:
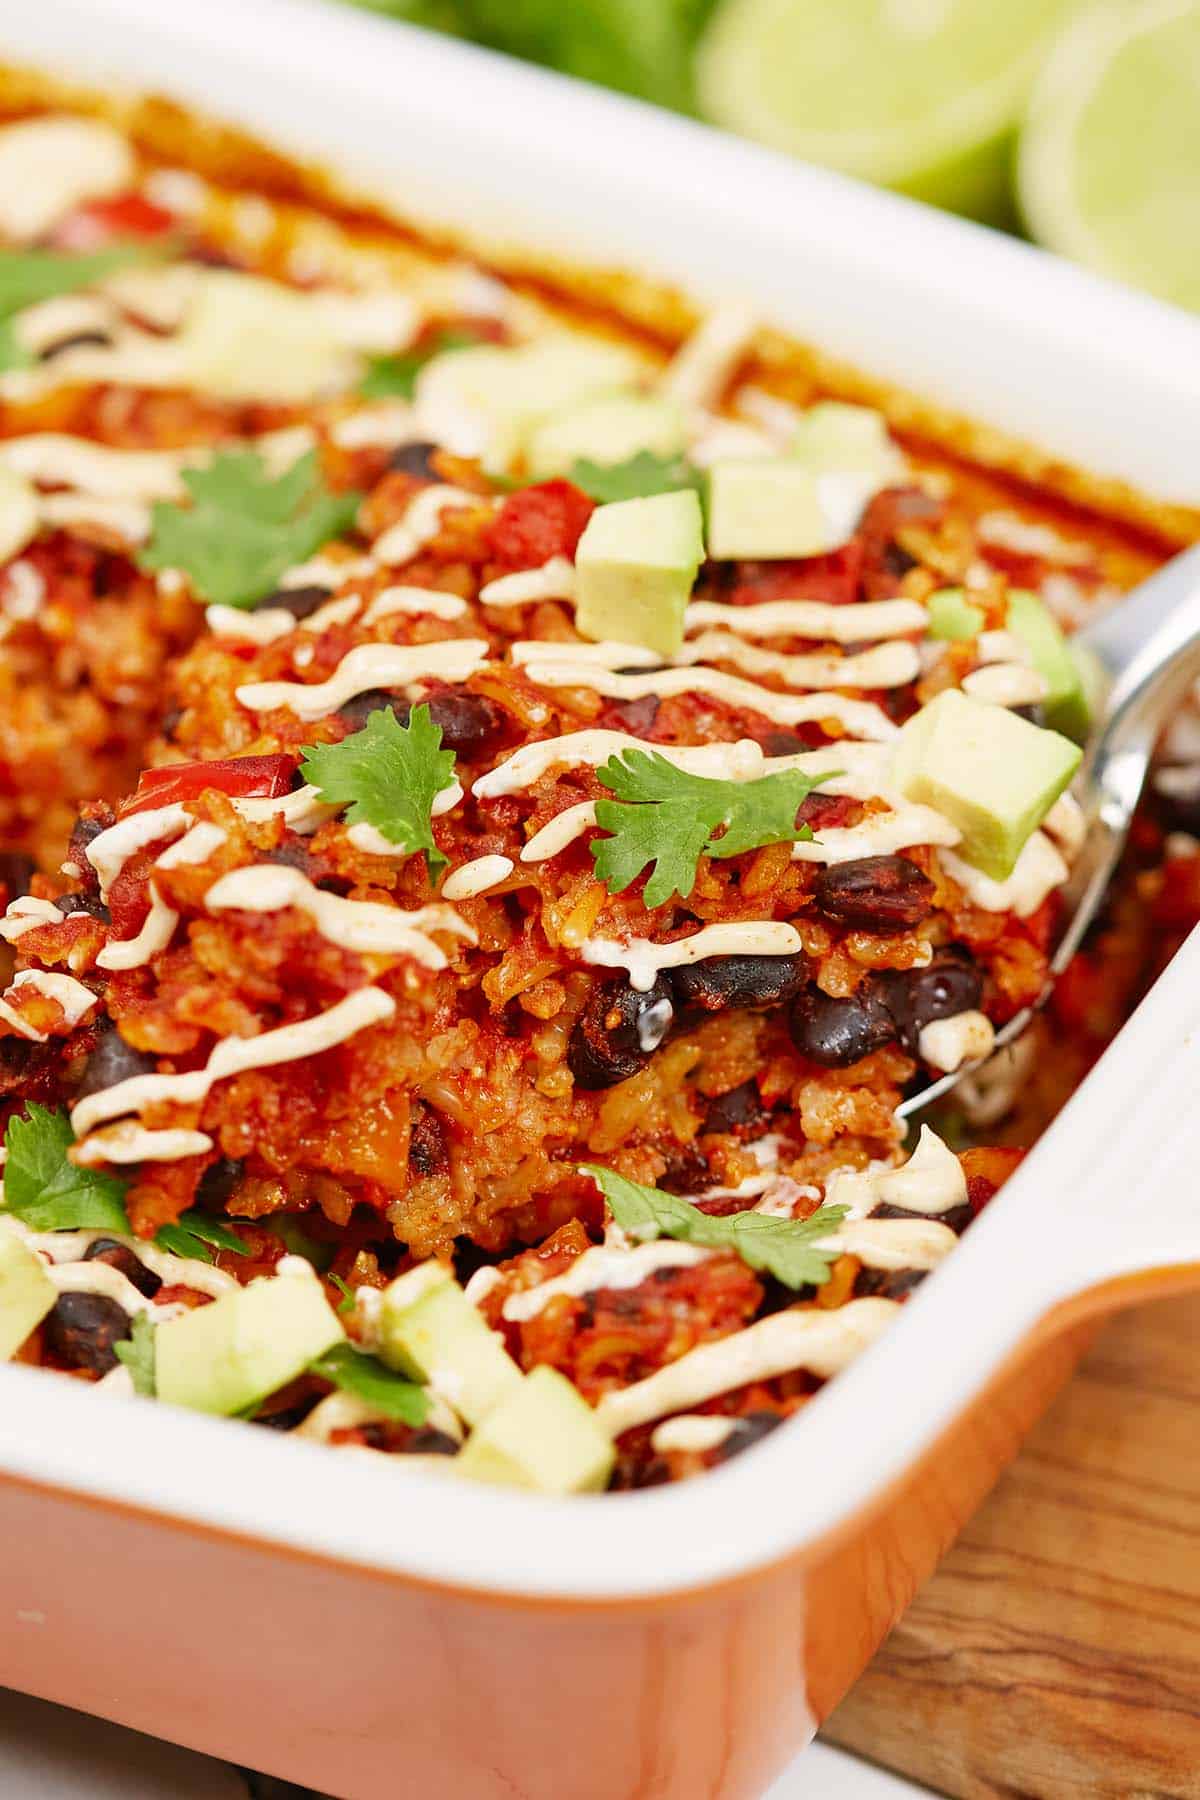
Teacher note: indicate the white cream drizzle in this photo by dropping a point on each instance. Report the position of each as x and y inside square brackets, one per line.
[1039, 870]
[129, 1142]
[879, 835]
[562, 830]
[700, 370]
[554, 580]
[691, 1434]
[233, 1055]
[156, 932]
[75, 999]
[607, 653]
[111, 849]
[477, 877]
[947, 1044]
[744, 760]
[887, 665]
[892, 1244]
[931, 1181]
[262, 627]
[1006, 684]
[27, 913]
[603, 1267]
[822, 1342]
[421, 522]
[862, 718]
[416, 601]
[644, 960]
[851, 624]
[363, 668]
[364, 926]
[67, 1248]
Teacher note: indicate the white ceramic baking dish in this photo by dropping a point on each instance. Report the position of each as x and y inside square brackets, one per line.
[371, 1630]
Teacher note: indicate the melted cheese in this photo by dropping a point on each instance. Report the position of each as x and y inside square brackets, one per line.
[644, 960]
[822, 1342]
[364, 926]
[477, 877]
[823, 623]
[232, 1055]
[555, 580]
[604, 1267]
[367, 667]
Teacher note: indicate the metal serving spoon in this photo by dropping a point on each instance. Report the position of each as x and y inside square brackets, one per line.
[1149, 650]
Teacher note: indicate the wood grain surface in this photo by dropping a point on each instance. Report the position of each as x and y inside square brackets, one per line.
[1056, 1653]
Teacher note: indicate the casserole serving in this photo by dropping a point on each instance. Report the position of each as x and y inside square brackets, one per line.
[832, 1664]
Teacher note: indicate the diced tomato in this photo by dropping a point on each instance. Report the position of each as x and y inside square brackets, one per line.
[832, 579]
[245, 777]
[538, 523]
[103, 222]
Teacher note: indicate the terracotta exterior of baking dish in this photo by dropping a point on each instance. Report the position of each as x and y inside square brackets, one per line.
[368, 1629]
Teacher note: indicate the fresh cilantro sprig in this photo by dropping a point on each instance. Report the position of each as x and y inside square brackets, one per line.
[137, 1353]
[45, 1190]
[48, 1192]
[196, 1235]
[395, 377]
[245, 527]
[347, 1303]
[29, 276]
[789, 1249]
[389, 776]
[367, 1377]
[667, 817]
[635, 479]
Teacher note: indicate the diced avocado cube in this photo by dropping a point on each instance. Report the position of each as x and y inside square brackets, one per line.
[992, 774]
[769, 507]
[544, 1436]
[1066, 706]
[635, 568]
[952, 616]
[604, 431]
[430, 1331]
[836, 436]
[26, 1294]
[485, 401]
[227, 1356]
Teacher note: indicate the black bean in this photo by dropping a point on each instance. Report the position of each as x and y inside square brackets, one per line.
[287, 1417]
[791, 743]
[687, 1172]
[431, 1442]
[617, 1032]
[740, 1112]
[427, 1154]
[218, 1183]
[299, 601]
[470, 722]
[295, 856]
[170, 722]
[636, 716]
[82, 834]
[733, 983]
[81, 902]
[357, 711]
[112, 1060]
[836, 1033]
[887, 1284]
[750, 1429]
[415, 459]
[16, 872]
[875, 893]
[958, 1217]
[120, 1257]
[952, 983]
[81, 1329]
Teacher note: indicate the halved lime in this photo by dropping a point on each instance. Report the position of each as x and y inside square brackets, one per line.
[1110, 155]
[922, 95]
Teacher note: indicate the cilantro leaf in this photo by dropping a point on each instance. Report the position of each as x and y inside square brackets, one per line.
[367, 1377]
[192, 1234]
[635, 479]
[27, 276]
[13, 354]
[789, 1249]
[665, 816]
[46, 1191]
[244, 527]
[395, 377]
[347, 1303]
[389, 775]
[137, 1353]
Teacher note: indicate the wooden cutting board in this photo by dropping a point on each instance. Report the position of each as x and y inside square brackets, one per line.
[1055, 1655]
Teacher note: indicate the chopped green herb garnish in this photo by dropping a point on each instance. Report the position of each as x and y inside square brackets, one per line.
[789, 1249]
[389, 776]
[27, 276]
[197, 1235]
[636, 479]
[45, 1190]
[665, 816]
[347, 1302]
[367, 1377]
[245, 527]
[395, 377]
[137, 1353]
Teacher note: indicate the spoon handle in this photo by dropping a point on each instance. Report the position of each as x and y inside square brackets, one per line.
[1139, 640]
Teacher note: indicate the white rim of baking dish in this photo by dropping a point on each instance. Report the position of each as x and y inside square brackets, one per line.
[992, 327]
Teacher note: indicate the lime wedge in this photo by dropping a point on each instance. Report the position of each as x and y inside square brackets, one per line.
[921, 95]
[1110, 155]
